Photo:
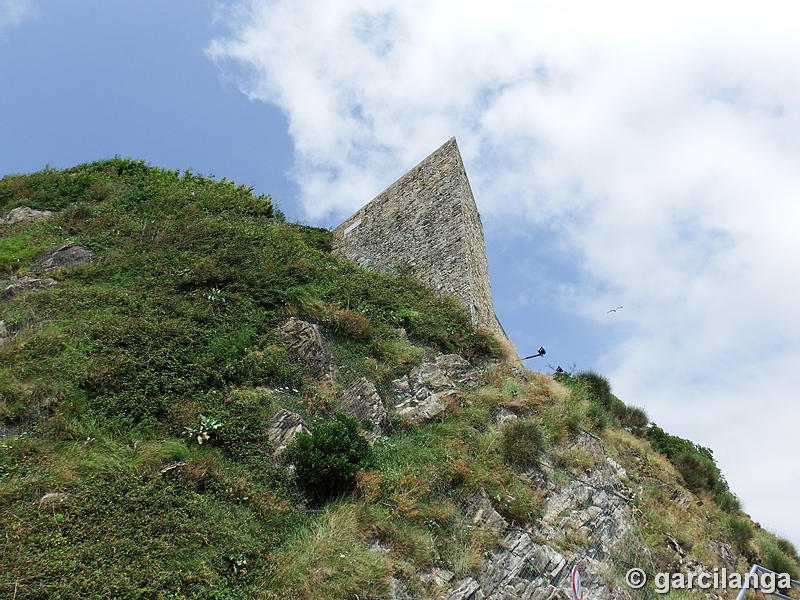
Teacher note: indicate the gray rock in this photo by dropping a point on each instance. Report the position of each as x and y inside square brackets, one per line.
[282, 429]
[727, 555]
[596, 503]
[467, 589]
[457, 370]
[478, 511]
[522, 568]
[305, 344]
[52, 497]
[503, 415]
[673, 544]
[362, 401]
[397, 590]
[618, 468]
[437, 577]
[68, 254]
[4, 334]
[14, 286]
[24, 214]
[422, 393]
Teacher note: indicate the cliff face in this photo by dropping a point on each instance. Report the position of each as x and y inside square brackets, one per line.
[426, 224]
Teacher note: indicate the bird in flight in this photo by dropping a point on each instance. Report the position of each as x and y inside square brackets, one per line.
[613, 310]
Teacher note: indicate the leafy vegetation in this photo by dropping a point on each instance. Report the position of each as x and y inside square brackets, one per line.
[696, 464]
[169, 332]
[327, 460]
[168, 338]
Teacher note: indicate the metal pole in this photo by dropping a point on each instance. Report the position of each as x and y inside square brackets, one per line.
[743, 591]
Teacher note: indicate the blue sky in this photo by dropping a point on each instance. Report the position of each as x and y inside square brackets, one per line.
[92, 79]
[619, 155]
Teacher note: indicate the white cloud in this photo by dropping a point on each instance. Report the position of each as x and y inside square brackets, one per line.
[661, 142]
[14, 12]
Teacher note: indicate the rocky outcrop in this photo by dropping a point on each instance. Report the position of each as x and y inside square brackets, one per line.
[4, 333]
[527, 564]
[595, 504]
[362, 401]
[518, 568]
[282, 428]
[504, 415]
[436, 577]
[68, 254]
[305, 343]
[14, 285]
[24, 214]
[479, 512]
[421, 394]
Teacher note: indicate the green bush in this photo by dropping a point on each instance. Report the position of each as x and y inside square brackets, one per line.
[788, 548]
[775, 559]
[726, 499]
[740, 532]
[599, 417]
[635, 419]
[699, 472]
[326, 462]
[672, 445]
[524, 442]
[598, 387]
[696, 464]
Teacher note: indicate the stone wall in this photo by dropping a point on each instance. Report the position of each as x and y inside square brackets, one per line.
[427, 221]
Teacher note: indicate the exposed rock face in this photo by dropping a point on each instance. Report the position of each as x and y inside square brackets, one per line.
[51, 497]
[397, 591]
[282, 429]
[727, 555]
[24, 214]
[518, 568]
[521, 568]
[478, 511]
[595, 504]
[436, 577]
[421, 393]
[14, 286]
[68, 254]
[4, 334]
[504, 415]
[305, 344]
[362, 401]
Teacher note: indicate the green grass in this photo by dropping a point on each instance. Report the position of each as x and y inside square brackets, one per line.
[177, 317]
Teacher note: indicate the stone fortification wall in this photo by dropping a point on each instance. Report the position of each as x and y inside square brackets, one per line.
[427, 221]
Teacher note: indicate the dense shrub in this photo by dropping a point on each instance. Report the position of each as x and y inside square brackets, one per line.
[775, 559]
[789, 548]
[599, 417]
[635, 419]
[598, 387]
[326, 462]
[672, 445]
[698, 472]
[696, 464]
[740, 531]
[726, 499]
[524, 442]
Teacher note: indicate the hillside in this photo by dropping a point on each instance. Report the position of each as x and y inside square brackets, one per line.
[164, 336]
